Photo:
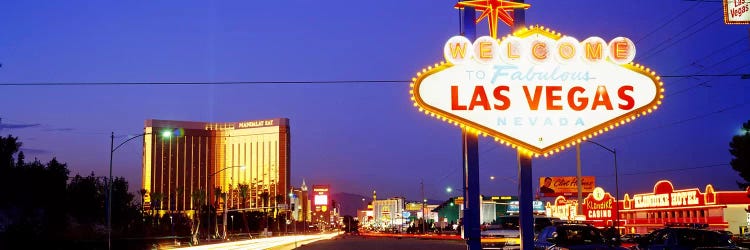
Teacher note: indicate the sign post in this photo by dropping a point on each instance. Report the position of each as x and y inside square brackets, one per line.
[470, 148]
[525, 192]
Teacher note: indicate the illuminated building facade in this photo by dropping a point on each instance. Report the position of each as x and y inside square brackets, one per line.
[321, 214]
[300, 203]
[181, 158]
[389, 212]
[718, 210]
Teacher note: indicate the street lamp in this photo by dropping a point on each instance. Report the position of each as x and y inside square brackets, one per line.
[208, 237]
[112, 150]
[617, 185]
[232, 228]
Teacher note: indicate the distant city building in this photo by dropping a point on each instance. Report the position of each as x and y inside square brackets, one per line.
[388, 212]
[300, 203]
[184, 157]
[321, 214]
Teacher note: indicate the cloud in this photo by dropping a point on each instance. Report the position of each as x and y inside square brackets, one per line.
[34, 151]
[59, 129]
[15, 126]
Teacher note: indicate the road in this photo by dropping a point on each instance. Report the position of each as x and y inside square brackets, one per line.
[368, 243]
[267, 243]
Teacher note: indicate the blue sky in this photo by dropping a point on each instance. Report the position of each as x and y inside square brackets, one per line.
[357, 137]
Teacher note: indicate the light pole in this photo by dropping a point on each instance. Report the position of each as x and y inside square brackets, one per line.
[208, 237]
[112, 150]
[617, 185]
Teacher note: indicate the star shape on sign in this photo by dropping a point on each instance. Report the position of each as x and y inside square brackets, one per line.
[492, 10]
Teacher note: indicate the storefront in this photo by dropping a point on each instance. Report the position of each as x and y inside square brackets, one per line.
[597, 209]
[724, 210]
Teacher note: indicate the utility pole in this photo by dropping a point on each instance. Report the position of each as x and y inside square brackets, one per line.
[109, 191]
[424, 217]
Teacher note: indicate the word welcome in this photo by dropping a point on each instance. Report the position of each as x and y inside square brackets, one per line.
[486, 50]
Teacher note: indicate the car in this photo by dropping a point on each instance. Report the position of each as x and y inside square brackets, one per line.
[505, 232]
[630, 238]
[573, 236]
[678, 238]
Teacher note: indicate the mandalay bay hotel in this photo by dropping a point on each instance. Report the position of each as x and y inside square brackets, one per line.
[185, 158]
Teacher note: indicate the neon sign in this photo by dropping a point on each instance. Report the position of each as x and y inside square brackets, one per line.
[537, 90]
[664, 195]
[736, 11]
[598, 205]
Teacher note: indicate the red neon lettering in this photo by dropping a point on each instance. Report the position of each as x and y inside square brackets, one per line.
[552, 97]
[479, 98]
[582, 101]
[533, 102]
[502, 98]
[454, 99]
[629, 101]
[601, 98]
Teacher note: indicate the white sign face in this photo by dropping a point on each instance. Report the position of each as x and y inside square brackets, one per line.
[538, 91]
[737, 11]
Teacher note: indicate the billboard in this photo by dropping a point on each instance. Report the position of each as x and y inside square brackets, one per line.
[321, 199]
[538, 207]
[553, 186]
[537, 90]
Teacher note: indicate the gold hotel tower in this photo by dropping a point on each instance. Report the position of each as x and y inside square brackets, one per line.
[181, 158]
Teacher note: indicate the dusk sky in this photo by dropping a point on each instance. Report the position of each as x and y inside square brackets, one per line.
[355, 136]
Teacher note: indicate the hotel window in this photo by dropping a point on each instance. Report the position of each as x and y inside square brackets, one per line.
[703, 213]
[673, 214]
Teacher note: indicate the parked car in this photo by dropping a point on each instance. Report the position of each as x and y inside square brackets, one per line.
[573, 236]
[630, 238]
[505, 232]
[676, 238]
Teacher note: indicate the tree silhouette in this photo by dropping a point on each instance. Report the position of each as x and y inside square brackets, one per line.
[739, 147]
[244, 188]
[8, 147]
[199, 197]
[265, 196]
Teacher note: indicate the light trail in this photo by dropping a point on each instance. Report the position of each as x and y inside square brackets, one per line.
[265, 243]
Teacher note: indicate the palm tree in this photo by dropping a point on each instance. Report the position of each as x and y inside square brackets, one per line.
[143, 193]
[264, 197]
[156, 197]
[244, 188]
[199, 197]
[217, 195]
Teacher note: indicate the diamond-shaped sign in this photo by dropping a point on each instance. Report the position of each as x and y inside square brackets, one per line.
[538, 90]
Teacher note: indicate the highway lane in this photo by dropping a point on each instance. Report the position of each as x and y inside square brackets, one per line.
[265, 243]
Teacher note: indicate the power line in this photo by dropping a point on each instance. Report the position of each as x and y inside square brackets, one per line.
[682, 121]
[705, 75]
[195, 83]
[686, 36]
[668, 22]
[712, 53]
[675, 169]
[62, 84]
